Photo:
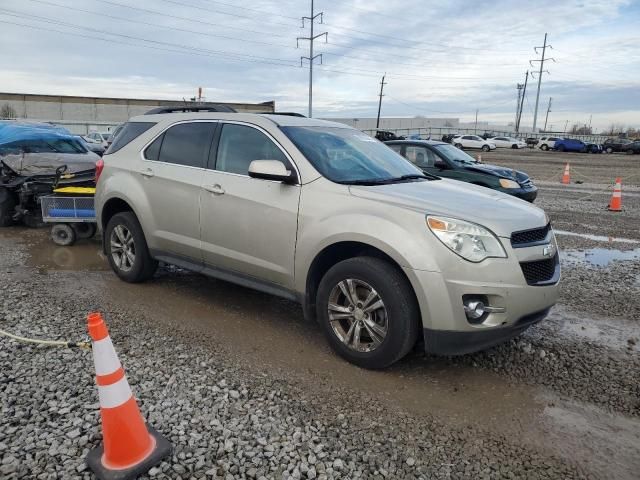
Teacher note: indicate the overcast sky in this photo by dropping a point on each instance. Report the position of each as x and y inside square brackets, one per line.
[443, 58]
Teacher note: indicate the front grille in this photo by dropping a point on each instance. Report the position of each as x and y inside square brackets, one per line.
[539, 271]
[525, 237]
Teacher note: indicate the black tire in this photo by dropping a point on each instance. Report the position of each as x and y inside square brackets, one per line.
[144, 266]
[544, 147]
[609, 150]
[561, 148]
[486, 148]
[62, 234]
[514, 146]
[629, 152]
[403, 314]
[458, 145]
[84, 230]
[7, 207]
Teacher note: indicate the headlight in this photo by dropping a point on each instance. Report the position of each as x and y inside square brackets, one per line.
[472, 242]
[504, 183]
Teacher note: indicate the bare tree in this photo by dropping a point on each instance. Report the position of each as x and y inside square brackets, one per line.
[7, 111]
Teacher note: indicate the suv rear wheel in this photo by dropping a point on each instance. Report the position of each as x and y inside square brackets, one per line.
[127, 249]
[368, 312]
[544, 147]
[7, 207]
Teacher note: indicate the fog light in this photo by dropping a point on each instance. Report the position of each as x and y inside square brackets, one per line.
[474, 309]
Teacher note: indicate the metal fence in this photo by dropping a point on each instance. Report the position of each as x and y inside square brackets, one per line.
[436, 133]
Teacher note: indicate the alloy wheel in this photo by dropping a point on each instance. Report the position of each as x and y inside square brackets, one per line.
[123, 249]
[357, 315]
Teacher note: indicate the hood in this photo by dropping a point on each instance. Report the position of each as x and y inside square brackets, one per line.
[501, 213]
[28, 164]
[503, 172]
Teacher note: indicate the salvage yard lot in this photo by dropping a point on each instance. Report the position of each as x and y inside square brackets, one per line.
[244, 389]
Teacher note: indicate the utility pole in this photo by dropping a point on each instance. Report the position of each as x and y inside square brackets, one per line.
[547, 117]
[566, 124]
[519, 86]
[541, 61]
[382, 84]
[524, 92]
[475, 128]
[311, 57]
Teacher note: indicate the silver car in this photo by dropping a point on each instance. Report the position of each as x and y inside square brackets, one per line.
[379, 253]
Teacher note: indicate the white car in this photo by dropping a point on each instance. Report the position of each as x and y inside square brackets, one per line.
[547, 143]
[508, 142]
[473, 141]
[99, 137]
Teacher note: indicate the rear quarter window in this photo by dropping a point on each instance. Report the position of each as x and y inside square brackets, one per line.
[129, 133]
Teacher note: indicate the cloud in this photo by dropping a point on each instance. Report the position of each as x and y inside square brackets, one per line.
[445, 56]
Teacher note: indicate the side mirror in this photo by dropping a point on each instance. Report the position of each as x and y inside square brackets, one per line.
[271, 170]
[440, 164]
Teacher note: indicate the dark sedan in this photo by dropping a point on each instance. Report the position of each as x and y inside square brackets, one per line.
[445, 160]
[621, 145]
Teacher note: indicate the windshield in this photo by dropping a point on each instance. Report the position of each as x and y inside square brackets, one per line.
[52, 145]
[345, 155]
[455, 154]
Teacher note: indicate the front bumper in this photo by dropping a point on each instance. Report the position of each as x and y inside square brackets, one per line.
[445, 342]
[528, 194]
[502, 284]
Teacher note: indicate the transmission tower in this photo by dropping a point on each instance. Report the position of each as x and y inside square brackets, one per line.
[311, 38]
[546, 118]
[541, 61]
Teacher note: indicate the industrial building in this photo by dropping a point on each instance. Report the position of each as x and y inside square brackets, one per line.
[82, 115]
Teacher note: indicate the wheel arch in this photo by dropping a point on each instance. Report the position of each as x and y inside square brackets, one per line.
[334, 253]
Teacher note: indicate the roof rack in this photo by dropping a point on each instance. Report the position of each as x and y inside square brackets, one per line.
[211, 107]
[288, 114]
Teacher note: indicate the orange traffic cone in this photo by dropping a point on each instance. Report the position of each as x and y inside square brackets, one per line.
[565, 177]
[131, 447]
[615, 205]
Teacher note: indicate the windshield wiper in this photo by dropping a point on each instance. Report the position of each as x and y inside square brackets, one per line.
[413, 176]
[387, 181]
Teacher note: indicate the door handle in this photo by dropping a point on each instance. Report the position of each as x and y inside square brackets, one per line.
[147, 172]
[215, 189]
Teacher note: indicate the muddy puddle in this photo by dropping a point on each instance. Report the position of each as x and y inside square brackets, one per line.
[45, 256]
[599, 257]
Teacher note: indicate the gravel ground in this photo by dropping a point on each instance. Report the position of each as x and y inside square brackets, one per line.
[224, 421]
[235, 382]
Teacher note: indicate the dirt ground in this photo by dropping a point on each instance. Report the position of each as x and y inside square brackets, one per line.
[564, 398]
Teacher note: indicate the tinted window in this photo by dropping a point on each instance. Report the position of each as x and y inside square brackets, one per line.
[130, 132]
[240, 145]
[346, 155]
[186, 144]
[467, 137]
[153, 151]
[44, 145]
[420, 156]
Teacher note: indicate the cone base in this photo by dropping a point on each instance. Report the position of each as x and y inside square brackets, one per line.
[94, 460]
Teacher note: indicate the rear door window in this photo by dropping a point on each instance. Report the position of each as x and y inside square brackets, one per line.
[184, 144]
[129, 132]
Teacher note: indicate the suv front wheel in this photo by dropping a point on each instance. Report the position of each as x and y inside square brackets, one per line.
[127, 250]
[368, 312]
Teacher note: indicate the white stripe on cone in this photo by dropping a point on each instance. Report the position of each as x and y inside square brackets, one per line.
[114, 395]
[104, 357]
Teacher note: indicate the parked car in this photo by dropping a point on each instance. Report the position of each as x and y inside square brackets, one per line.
[575, 145]
[378, 252]
[447, 161]
[473, 141]
[384, 135]
[621, 145]
[92, 145]
[547, 143]
[508, 142]
[447, 138]
[33, 159]
[102, 137]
